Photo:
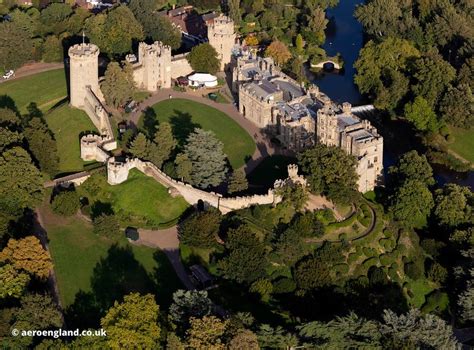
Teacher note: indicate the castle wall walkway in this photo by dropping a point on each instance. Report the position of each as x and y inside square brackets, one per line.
[264, 147]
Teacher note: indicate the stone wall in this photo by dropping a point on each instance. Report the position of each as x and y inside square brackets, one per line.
[117, 172]
[180, 66]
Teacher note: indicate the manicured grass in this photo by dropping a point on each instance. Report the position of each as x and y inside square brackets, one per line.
[91, 264]
[419, 289]
[185, 115]
[67, 124]
[44, 89]
[139, 201]
[463, 143]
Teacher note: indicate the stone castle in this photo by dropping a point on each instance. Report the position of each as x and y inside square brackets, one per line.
[299, 117]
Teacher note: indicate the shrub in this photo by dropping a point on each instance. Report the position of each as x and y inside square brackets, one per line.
[343, 236]
[413, 270]
[370, 262]
[385, 259]
[342, 268]
[437, 273]
[352, 258]
[436, 302]
[170, 169]
[263, 288]
[107, 225]
[284, 285]
[393, 273]
[66, 203]
[387, 243]
[369, 252]
[387, 233]
[377, 275]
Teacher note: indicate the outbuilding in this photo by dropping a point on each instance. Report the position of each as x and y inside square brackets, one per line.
[202, 80]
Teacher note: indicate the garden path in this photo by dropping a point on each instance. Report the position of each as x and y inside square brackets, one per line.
[264, 147]
[34, 68]
[167, 240]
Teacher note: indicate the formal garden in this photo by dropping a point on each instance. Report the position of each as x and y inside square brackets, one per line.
[185, 115]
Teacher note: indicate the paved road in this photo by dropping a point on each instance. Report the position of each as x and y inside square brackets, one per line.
[33, 68]
[264, 146]
[167, 241]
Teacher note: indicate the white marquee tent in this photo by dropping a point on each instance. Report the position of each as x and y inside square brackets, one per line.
[202, 79]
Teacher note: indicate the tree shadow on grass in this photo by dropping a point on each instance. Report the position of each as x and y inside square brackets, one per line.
[165, 279]
[114, 276]
[7, 102]
[99, 208]
[182, 125]
[150, 122]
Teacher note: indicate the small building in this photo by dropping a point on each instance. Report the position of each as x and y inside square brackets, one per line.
[201, 276]
[202, 80]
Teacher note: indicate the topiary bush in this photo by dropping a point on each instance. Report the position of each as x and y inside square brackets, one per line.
[66, 203]
[370, 262]
[342, 268]
[352, 258]
[369, 252]
[385, 259]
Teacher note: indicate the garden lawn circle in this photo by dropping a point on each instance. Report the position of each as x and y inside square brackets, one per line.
[184, 115]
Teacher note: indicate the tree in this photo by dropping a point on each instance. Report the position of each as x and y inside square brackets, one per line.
[43, 145]
[13, 283]
[66, 203]
[27, 254]
[275, 338]
[348, 332]
[263, 287]
[378, 61]
[437, 273]
[453, 205]
[244, 339]
[457, 106]
[247, 257]
[206, 333]
[163, 146]
[133, 323]
[118, 85]
[184, 167]
[26, 20]
[21, 184]
[203, 58]
[107, 226]
[417, 330]
[290, 247]
[316, 22]
[38, 312]
[140, 146]
[279, 52]
[16, 45]
[466, 73]
[380, 18]
[201, 229]
[420, 114]
[411, 203]
[411, 166]
[234, 11]
[53, 18]
[466, 300]
[207, 157]
[330, 171]
[238, 182]
[115, 31]
[299, 43]
[432, 75]
[52, 49]
[187, 304]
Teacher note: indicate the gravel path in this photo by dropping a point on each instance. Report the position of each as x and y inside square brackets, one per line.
[264, 147]
[167, 240]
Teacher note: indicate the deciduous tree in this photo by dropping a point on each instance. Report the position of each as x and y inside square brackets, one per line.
[66, 203]
[457, 106]
[420, 114]
[16, 45]
[203, 58]
[107, 226]
[118, 85]
[453, 205]
[12, 282]
[206, 333]
[29, 255]
[201, 229]
[279, 52]
[133, 323]
[43, 145]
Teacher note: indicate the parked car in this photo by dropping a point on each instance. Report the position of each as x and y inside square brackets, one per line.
[131, 106]
[8, 74]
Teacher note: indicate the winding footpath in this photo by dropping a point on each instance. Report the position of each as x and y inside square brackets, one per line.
[264, 147]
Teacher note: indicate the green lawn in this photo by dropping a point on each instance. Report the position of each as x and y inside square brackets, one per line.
[91, 264]
[140, 201]
[185, 115]
[463, 143]
[67, 124]
[45, 89]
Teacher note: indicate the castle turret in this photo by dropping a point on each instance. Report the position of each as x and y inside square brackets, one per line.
[83, 72]
[221, 35]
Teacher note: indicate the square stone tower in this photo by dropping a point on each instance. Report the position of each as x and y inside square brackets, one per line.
[154, 71]
[221, 35]
[83, 72]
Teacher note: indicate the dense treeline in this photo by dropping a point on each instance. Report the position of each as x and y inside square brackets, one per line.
[418, 65]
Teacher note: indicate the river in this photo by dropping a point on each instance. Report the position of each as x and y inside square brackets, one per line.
[344, 35]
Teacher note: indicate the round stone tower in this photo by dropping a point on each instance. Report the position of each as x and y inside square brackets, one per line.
[221, 35]
[83, 72]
